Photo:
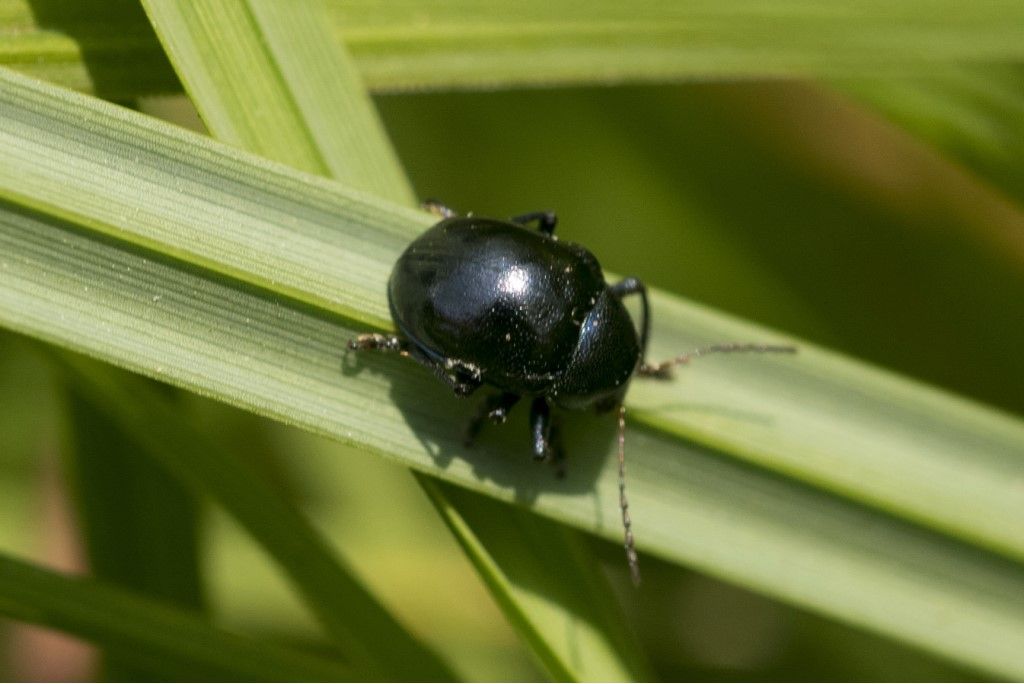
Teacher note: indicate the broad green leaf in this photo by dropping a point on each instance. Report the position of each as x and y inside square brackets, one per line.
[150, 634]
[354, 145]
[131, 281]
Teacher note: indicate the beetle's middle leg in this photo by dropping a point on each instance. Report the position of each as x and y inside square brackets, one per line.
[494, 408]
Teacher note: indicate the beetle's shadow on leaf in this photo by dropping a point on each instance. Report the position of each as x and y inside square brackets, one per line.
[501, 453]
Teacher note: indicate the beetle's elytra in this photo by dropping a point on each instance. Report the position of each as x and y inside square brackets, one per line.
[487, 302]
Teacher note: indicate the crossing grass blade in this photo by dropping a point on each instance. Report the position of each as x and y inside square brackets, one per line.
[149, 634]
[488, 44]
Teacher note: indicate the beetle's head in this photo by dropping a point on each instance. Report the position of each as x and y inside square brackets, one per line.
[604, 360]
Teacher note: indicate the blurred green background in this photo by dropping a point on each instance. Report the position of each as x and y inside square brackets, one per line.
[788, 203]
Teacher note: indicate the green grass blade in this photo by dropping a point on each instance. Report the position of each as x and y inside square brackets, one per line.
[140, 525]
[827, 420]
[498, 583]
[974, 116]
[450, 45]
[253, 66]
[367, 634]
[148, 633]
[486, 44]
[551, 587]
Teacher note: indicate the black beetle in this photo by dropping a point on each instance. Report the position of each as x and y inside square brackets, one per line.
[482, 301]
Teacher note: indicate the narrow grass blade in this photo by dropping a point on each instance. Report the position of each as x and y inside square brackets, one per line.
[446, 45]
[139, 523]
[553, 590]
[253, 66]
[975, 116]
[441, 44]
[150, 634]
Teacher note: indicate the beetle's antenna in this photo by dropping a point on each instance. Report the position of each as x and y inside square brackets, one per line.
[627, 523]
[664, 369]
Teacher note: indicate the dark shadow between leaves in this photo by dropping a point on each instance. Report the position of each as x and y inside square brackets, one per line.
[118, 47]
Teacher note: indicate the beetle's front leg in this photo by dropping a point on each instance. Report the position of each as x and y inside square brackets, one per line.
[463, 377]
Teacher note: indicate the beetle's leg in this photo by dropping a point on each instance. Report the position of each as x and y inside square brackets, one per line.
[379, 342]
[630, 286]
[463, 377]
[540, 429]
[494, 408]
[546, 220]
[437, 208]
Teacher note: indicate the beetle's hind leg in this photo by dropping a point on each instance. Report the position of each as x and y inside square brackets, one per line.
[494, 408]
